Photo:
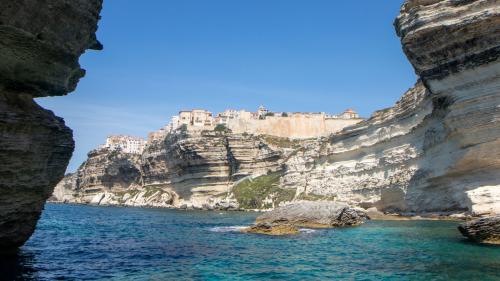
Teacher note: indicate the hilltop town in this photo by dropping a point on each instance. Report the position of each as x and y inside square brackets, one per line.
[296, 125]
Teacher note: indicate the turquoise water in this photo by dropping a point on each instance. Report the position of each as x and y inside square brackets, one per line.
[108, 243]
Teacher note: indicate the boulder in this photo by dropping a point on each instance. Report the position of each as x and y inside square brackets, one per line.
[310, 214]
[483, 230]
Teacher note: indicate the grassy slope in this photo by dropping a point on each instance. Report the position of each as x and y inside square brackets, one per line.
[250, 194]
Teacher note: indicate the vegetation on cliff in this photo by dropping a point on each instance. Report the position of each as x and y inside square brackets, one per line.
[262, 192]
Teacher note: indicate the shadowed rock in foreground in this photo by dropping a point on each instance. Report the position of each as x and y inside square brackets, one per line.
[40, 43]
[484, 230]
[311, 214]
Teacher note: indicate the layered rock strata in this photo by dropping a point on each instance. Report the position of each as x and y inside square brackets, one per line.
[40, 43]
[204, 165]
[182, 170]
[104, 172]
[438, 148]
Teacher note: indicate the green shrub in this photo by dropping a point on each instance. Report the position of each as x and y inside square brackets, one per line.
[183, 128]
[250, 194]
[221, 128]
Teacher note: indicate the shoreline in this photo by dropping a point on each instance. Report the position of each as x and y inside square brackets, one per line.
[374, 217]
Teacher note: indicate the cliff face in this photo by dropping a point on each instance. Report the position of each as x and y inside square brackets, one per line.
[438, 148]
[195, 169]
[40, 43]
[104, 171]
[203, 165]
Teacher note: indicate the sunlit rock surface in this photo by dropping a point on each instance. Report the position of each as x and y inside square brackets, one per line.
[181, 170]
[438, 148]
[40, 43]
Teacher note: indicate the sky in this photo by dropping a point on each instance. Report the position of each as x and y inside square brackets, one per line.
[161, 56]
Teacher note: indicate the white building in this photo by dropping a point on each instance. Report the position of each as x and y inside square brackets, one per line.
[349, 114]
[174, 122]
[196, 117]
[127, 144]
[262, 111]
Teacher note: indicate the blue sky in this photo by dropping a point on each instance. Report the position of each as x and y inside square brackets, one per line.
[289, 55]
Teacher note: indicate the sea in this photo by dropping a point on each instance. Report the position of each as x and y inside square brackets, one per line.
[77, 242]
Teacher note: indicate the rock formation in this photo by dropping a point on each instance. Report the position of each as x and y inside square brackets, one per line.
[183, 169]
[311, 214]
[40, 43]
[484, 230]
[201, 165]
[105, 171]
[438, 148]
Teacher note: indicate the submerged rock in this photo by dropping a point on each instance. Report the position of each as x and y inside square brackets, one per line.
[272, 229]
[311, 214]
[484, 230]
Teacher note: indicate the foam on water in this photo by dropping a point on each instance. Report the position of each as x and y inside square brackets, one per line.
[235, 228]
[307, 230]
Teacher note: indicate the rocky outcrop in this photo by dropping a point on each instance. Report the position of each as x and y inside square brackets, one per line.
[273, 229]
[438, 148]
[287, 219]
[315, 214]
[104, 172]
[201, 167]
[183, 170]
[483, 230]
[40, 43]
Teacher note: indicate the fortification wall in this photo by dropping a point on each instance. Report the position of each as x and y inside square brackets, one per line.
[295, 126]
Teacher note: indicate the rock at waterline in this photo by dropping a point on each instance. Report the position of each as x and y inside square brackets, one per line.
[483, 230]
[272, 229]
[287, 219]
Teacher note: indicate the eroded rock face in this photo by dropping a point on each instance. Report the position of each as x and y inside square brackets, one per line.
[40, 43]
[181, 170]
[484, 230]
[438, 148]
[110, 177]
[201, 167]
[105, 171]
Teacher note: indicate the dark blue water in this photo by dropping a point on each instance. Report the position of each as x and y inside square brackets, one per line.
[107, 243]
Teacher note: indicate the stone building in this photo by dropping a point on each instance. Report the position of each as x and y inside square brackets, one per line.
[263, 121]
[127, 144]
[196, 117]
[348, 114]
[227, 115]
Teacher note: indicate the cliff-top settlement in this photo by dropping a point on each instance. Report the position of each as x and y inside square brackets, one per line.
[196, 160]
[296, 125]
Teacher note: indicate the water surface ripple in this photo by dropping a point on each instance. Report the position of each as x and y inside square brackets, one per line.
[109, 243]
